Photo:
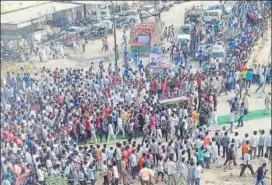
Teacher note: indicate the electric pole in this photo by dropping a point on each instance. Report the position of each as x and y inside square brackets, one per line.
[114, 35]
[158, 24]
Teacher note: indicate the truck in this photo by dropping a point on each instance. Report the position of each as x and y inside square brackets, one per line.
[219, 52]
[193, 15]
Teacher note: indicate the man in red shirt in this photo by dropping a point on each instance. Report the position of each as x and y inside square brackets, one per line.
[88, 128]
[198, 81]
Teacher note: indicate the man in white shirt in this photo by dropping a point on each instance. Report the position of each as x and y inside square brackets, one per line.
[40, 174]
[197, 173]
[171, 167]
[133, 163]
[214, 119]
[261, 144]
[172, 125]
[28, 157]
[110, 132]
[120, 127]
[214, 152]
[5, 181]
[268, 145]
[246, 164]
[231, 121]
[254, 144]
[237, 142]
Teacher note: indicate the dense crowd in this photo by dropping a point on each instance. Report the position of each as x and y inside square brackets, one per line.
[53, 123]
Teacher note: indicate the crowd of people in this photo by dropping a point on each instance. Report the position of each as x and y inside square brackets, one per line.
[54, 123]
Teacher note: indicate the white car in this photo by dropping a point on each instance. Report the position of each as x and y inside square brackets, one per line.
[226, 9]
[146, 7]
[132, 16]
[166, 6]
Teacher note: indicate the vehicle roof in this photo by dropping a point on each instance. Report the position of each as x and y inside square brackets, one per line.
[77, 28]
[147, 5]
[215, 4]
[218, 48]
[100, 24]
[106, 21]
[147, 11]
[214, 11]
[184, 36]
[130, 11]
[185, 26]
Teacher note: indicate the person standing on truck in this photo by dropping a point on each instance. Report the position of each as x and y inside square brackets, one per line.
[169, 33]
[124, 39]
[103, 44]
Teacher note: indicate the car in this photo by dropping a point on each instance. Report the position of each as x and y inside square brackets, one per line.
[132, 16]
[226, 9]
[146, 7]
[186, 29]
[212, 15]
[193, 15]
[70, 33]
[178, 2]
[166, 6]
[105, 25]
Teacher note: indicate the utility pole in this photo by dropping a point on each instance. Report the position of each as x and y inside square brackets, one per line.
[158, 24]
[114, 35]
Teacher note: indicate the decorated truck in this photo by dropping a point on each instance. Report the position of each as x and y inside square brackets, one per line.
[143, 37]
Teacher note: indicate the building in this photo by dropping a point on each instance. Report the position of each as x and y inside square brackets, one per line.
[26, 21]
[97, 10]
[9, 6]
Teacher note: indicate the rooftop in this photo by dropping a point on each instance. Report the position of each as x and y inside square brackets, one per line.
[8, 6]
[28, 14]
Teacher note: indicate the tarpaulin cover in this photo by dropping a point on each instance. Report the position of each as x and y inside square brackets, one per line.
[143, 29]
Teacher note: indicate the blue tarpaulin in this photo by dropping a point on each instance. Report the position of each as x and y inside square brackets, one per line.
[233, 43]
[155, 50]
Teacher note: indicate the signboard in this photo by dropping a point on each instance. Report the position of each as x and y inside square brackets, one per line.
[159, 61]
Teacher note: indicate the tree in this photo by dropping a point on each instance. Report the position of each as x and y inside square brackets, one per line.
[157, 16]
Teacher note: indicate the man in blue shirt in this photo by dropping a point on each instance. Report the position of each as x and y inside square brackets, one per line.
[141, 67]
[126, 72]
[249, 78]
[260, 174]
[200, 57]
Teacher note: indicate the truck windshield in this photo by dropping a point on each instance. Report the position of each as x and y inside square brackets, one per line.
[217, 55]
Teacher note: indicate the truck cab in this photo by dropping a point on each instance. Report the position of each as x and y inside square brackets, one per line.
[219, 52]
